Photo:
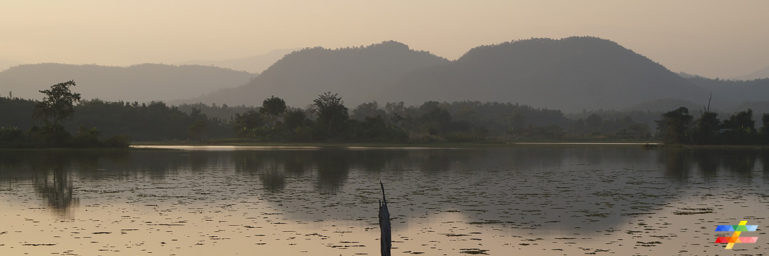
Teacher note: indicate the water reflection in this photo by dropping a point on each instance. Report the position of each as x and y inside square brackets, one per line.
[560, 184]
[55, 186]
[681, 164]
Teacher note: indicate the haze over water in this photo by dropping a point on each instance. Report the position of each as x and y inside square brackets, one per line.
[533, 199]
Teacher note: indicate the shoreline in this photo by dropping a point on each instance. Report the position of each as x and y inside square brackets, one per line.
[181, 145]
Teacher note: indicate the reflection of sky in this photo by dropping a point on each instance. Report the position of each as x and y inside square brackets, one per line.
[552, 187]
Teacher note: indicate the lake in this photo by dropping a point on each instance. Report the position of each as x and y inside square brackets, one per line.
[522, 200]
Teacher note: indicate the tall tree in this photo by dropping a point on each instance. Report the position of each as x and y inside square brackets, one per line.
[58, 103]
[706, 129]
[765, 131]
[740, 128]
[674, 126]
[247, 123]
[332, 115]
[273, 106]
[367, 110]
[199, 124]
[295, 119]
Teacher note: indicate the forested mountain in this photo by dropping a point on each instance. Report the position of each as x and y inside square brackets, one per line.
[758, 74]
[662, 105]
[733, 95]
[145, 82]
[358, 74]
[5, 64]
[570, 74]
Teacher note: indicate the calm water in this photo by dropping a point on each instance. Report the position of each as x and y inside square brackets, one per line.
[527, 200]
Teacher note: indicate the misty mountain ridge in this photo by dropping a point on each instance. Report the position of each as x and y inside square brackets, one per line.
[143, 82]
[571, 74]
[253, 64]
[358, 74]
[758, 74]
[6, 64]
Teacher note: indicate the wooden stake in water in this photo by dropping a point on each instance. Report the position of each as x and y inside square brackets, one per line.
[384, 224]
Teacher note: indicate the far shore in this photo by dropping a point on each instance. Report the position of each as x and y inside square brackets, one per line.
[436, 145]
[187, 145]
[160, 144]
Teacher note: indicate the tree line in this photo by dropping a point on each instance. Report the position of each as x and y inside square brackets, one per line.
[328, 119]
[680, 127]
[49, 114]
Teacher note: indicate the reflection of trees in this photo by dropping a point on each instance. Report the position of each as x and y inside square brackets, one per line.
[740, 162]
[53, 180]
[199, 160]
[707, 161]
[677, 163]
[55, 186]
[52, 171]
[764, 155]
[273, 179]
[333, 168]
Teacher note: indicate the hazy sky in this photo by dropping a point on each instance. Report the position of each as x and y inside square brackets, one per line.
[713, 38]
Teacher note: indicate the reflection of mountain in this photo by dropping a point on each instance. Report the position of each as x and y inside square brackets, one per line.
[549, 187]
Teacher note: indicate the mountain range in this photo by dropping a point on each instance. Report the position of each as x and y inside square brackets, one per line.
[144, 82]
[571, 74]
[758, 74]
[358, 74]
[5, 64]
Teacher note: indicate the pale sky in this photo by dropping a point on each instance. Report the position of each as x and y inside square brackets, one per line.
[723, 38]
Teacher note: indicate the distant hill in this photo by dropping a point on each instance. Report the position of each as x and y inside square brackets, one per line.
[665, 105]
[5, 64]
[143, 82]
[758, 74]
[729, 94]
[571, 74]
[254, 64]
[358, 74]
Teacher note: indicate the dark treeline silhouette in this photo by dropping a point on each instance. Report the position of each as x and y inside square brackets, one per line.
[222, 112]
[466, 121]
[680, 127]
[328, 119]
[46, 119]
[138, 121]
